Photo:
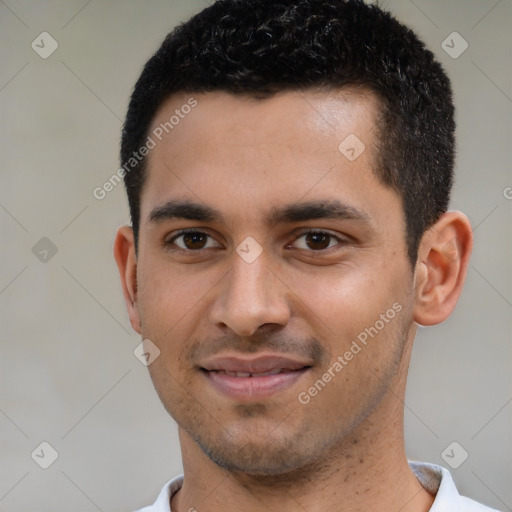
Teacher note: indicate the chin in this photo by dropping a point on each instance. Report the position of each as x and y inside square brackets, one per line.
[268, 457]
[253, 460]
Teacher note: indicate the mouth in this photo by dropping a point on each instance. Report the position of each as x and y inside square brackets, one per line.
[253, 379]
[275, 371]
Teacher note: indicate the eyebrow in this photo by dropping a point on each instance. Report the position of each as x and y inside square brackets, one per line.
[296, 212]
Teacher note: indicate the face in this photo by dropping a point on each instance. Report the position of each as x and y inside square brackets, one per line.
[272, 275]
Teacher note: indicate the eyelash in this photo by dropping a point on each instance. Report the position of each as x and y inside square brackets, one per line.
[170, 242]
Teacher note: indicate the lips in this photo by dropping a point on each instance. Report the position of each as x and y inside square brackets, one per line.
[255, 365]
[256, 378]
[275, 371]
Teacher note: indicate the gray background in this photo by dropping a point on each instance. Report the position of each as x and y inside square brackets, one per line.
[68, 374]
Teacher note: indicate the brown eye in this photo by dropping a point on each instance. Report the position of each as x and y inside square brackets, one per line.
[192, 241]
[318, 241]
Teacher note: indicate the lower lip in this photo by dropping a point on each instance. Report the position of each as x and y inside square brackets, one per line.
[253, 388]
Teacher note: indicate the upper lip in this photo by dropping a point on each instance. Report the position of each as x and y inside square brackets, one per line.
[259, 364]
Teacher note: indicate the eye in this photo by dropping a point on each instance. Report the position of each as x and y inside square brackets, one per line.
[317, 241]
[190, 240]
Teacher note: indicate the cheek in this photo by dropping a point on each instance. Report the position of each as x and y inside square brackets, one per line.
[346, 300]
[169, 295]
[172, 306]
[366, 331]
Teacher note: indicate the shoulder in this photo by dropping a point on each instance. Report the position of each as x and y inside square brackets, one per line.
[163, 501]
[439, 482]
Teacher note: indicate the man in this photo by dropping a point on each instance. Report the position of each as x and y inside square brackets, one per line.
[288, 167]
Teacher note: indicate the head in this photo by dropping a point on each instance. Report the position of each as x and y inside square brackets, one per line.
[310, 162]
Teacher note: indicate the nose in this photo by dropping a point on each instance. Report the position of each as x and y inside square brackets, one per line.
[250, 296]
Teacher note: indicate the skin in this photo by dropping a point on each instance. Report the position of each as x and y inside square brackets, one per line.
[344, 449]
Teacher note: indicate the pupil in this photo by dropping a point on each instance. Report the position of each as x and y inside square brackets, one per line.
[318, 240]
[194, 240]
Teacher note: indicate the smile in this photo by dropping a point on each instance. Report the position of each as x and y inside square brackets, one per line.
[247, 374]
[253, 379]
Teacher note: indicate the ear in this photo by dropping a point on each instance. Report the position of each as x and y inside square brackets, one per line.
[441, 268]
[126, 259]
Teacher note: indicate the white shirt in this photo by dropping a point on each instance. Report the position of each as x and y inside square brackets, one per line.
[435, 479]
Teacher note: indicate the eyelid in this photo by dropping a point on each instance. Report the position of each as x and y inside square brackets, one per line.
[339, 238]
[169, 239]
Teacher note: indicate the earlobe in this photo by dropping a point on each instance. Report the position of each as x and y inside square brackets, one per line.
[441, 268]
[124, 254]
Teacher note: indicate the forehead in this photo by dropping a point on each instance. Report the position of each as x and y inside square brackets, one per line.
[286, 117]
[229, 148]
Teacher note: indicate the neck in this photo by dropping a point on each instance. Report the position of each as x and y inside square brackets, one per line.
[368, 470]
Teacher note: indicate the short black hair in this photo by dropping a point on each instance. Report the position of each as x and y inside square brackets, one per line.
[261, 47]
